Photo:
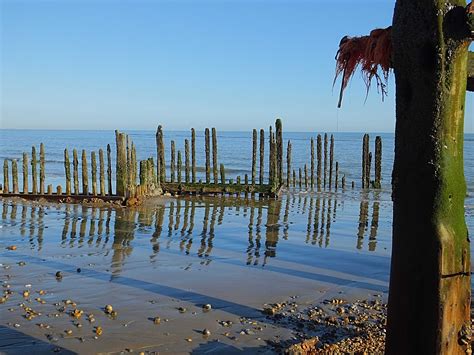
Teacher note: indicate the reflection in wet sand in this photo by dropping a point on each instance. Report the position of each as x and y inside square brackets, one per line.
[186, 220]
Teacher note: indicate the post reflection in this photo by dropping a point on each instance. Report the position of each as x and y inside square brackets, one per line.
[201, 227]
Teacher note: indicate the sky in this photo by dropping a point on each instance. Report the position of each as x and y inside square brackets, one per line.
[234, 65]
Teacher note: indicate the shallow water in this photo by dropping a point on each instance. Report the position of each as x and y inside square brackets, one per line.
[234, 253]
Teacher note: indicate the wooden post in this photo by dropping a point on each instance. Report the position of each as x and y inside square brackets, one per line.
[193, 155]
[319, 158]
[101, 172]
[173, 162]
[186, 161]
[378, 162]
[121, 164]
[331, 160]
[59, 190]
[365, 158]
[134, 175]
[352, 185]
[262, 156]
[214, 156]
[270, 156]
[85, 175]
[222, 173]
[25, 173]
[34, 188]
[238, 180]
[343, 181]
[42, 169]
[325, 160]
[368, 169]
[288, 164]
[158, 156]
[16, 190]
[279, 150]
[94, 173]
[180, 166]
[254, 156]
[312, 163]
[300, 178]
[50, 189]
[6, 182]
[306, 176]
[75, 165]
[294, 178]
[109, 171]
[337, 175]
[67, 171]
[208, 155]
[143, 175]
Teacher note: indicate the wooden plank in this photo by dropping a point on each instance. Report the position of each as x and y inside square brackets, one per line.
[216, 188]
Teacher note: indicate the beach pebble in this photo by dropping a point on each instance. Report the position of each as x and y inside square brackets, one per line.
[206, 332]
[108, 309]
[59, 275]
[157, 320]
[11, 247]
[182, 309]
[207, 307]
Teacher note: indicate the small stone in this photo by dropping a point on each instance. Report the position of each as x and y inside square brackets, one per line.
[182, 309]
[206, 332]
[157, 320]
[78, 269]
[98, 331]
[108, 309]
[11, 247]
[59, 275]
[68, 331]
[189, 340]
[207, 307]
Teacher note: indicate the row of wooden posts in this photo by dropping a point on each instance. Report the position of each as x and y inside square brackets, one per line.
[323, 171]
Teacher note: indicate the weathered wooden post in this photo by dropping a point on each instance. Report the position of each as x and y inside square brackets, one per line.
[343, 182]
[180, 166]
[319, 157]
[430, 288]
[222, 171]
[325, 160]
[34, 188]
[294, 178]
[262, 156]
[101, 172]
[365, 158]
[158, 156]
[121, 164]
[368, 169]
[378, 162]
[214, 156]
[331, 160]
[85, 175]
[25, 173]
[75, 165]
[67, 171]
[143, 174]
[207, 144]
[109, 171]
[312, 163]
[288, 164]
[59, 190]
[186, 161]
[134, 173]
[254, 155]
[279, 150]
[42, 169]
[336, 180]
[300, 182]
[306, 176]
[49, 189]
[6, 182]
[270, 156]
[173, 161]
[94, 173]
[16, 190]
[193, 155]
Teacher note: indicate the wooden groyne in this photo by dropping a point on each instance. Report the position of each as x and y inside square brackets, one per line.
[90, 175]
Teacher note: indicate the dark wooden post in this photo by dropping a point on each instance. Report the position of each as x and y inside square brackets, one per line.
[121, 164]
[49, 189]
[94, 173]
[34, 183]
[6, 182]
[222, 170]
[42, 169]
[67, 171]
[254, 156]
[173, 161]
[312, 163]
[214, 156]
[430, 286]
[16, 190]
[368, 169]
[25, 173]
[101, 172]
[279, 150]
[294, 178]
[208, 155]
[365, 158]
[109, 171]
[85, 175]
[288, 164]
[158, 156]
[325, 159]
[331, 160]
[186, 161]
[262, 156]
[337, 175]
[193, 155]
[343, 182]
[75, 166]
[306, 176]
[300, 182]
[378, 162]
[319, 157]
[270, 156]
[180, 166]
[143, 174]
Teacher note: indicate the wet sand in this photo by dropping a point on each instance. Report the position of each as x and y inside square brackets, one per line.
[170, 257]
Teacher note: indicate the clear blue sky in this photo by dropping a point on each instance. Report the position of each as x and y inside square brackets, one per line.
[235, 65]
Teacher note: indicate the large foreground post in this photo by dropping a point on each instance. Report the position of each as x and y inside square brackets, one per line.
[429, 300]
